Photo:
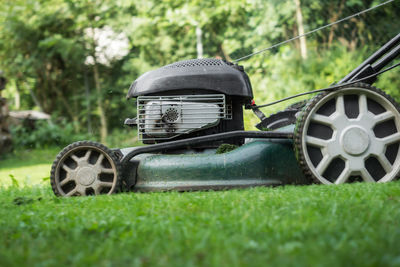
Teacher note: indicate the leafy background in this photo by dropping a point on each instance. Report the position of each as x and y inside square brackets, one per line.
[51, 56]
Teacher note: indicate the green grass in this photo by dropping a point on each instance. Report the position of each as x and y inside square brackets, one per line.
[355, 224]
[29, 167]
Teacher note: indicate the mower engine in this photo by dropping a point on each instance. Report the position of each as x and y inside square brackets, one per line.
[166, 117]
[190, 98]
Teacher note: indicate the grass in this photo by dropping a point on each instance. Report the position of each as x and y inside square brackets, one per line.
[355, 224]
[29, 167]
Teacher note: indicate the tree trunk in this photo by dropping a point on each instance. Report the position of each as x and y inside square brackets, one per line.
[103, 120]
[88, 104]
[199, 44]
[17, 98]
[34, 98]
[300, 26]
[226, 55]
[99, 95]
[334, 17]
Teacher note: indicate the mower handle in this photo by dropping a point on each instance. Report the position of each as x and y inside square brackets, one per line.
[376, 62]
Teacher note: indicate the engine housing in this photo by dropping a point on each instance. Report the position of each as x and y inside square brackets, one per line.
[187, 77]
[191, 98]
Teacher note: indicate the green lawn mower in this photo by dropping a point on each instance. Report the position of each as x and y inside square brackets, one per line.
[190, 118]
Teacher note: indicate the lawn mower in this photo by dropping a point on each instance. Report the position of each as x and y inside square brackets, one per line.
[190, 120]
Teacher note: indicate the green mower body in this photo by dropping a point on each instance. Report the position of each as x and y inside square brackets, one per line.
[261, 162]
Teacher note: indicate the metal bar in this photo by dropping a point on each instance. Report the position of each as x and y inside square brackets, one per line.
[186, 113]
[192, 118]
[180, 130]
[168, 97]
[373, 58]
[158, 117]
[159, 133]
[204, 139]
[184, 104]
[186, 96]
[142, 124]
[386, 59]
[189, 102]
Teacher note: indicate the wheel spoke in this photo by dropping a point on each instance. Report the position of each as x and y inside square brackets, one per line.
[66, 168]
[362, 102]
[366, 176]
[322, 119]
[340, 105]
[105, 184]
[106, 170]
[65, 181]
[385, 163]
[75, 158]
[316, 141]
[323, 164]
[100, 185]
[81, 190]
[377, 147]
[383, 117]
[72, 192]
[87, 154]
[97, 187]
[100, 159]
[343, 177]
[391, 139]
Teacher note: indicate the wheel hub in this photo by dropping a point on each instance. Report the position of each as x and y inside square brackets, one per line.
[355, 140]
[86, 176]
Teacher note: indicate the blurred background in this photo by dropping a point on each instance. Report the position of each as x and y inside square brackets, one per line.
[69, 63]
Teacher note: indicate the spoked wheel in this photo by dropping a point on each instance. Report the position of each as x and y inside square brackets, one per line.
[349, 135]
[85, 168]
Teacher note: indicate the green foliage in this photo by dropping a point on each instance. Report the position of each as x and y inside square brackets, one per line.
[45, 134]
[14, 181]
[120, 138]
[44, 47]
[225, 148]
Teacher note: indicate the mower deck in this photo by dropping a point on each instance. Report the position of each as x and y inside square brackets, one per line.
[259, 162]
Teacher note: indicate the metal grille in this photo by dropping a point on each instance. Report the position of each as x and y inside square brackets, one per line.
[196, 63]
[165, 117]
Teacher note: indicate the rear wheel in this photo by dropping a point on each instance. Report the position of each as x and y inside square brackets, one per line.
[85, 168]
[352, 134]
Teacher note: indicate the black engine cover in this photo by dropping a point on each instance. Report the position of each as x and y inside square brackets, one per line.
[189, 76]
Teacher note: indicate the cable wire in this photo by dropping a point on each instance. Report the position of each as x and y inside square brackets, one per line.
[332, 88]
[315, 30]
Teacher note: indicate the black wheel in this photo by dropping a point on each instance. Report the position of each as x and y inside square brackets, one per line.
[297, 105]
[85, 168]
[352, 134]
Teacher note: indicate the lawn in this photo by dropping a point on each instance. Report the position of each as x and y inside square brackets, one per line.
[352, 225]
[28, 167]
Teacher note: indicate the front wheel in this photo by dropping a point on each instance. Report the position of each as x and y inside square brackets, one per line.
[85, 168]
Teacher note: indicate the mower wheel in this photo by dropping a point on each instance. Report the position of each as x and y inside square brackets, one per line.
[349, 135]
[297, 105]
[85, 168]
